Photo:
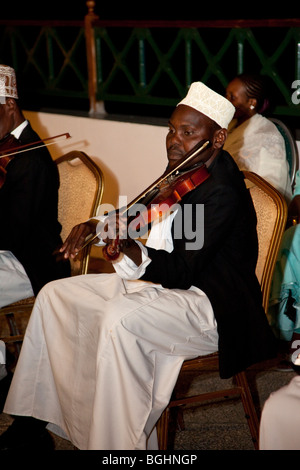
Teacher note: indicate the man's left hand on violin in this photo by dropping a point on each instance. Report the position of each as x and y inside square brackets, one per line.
[115, 235]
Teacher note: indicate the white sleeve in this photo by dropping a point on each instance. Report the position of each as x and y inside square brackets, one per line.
[127, 269]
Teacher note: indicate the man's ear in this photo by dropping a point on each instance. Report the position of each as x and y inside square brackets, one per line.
[11, 104]
[219, 138]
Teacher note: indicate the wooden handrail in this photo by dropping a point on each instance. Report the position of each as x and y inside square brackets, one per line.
[247, 23]
[235, 23]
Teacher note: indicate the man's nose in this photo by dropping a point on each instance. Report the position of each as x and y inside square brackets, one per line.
[174, 138]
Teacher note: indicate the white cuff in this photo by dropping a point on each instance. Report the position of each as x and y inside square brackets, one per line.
[127, 269]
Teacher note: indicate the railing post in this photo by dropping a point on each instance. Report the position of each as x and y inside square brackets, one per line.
[240, 35]
[297, 54]
[142, 62]
[188, 61]
[96, 107]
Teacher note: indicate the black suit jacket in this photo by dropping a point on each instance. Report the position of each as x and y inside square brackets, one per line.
[28, 201]
[224, 268]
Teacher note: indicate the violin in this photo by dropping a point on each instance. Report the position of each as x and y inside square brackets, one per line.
[10, 147]
[161, 196]
[170, 193]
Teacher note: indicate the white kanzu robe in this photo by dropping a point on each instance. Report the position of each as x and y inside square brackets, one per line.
[102, 354]
[14, 282]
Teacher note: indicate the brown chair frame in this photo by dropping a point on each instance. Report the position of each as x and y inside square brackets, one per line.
[93, 167]
[211, 362]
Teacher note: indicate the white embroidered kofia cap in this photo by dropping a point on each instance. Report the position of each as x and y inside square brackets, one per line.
[8, 82]
[210, 103]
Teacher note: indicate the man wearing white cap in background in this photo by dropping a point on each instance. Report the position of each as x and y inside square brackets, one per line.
[102, 352]
[29, 231]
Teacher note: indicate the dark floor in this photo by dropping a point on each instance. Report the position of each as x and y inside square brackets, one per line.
[223, 426]
[220, 426]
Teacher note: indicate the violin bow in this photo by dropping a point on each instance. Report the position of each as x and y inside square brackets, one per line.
[33, 146]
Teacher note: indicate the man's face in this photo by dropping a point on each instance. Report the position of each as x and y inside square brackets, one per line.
[6, 119]
[187, 127]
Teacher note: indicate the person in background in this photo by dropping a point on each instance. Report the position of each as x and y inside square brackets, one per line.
[253, 140]
[256, 145]
[30, 231]
[284, 305]
[280, 418]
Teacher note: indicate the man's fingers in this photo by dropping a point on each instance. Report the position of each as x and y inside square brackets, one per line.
[74, 241]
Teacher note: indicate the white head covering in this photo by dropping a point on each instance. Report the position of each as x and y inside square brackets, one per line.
[210, 103]
[8, 82]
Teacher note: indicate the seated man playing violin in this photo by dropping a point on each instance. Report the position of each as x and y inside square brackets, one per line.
[29, 183]
[102, 352]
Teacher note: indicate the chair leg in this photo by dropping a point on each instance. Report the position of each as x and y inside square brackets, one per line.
[14, 330]
[249, 408]
[162, 429]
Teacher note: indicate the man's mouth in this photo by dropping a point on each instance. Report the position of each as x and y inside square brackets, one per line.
[174, 153]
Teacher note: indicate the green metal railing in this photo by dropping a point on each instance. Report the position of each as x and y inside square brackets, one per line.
[155, 62]
[49, 58]
[147, 63]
